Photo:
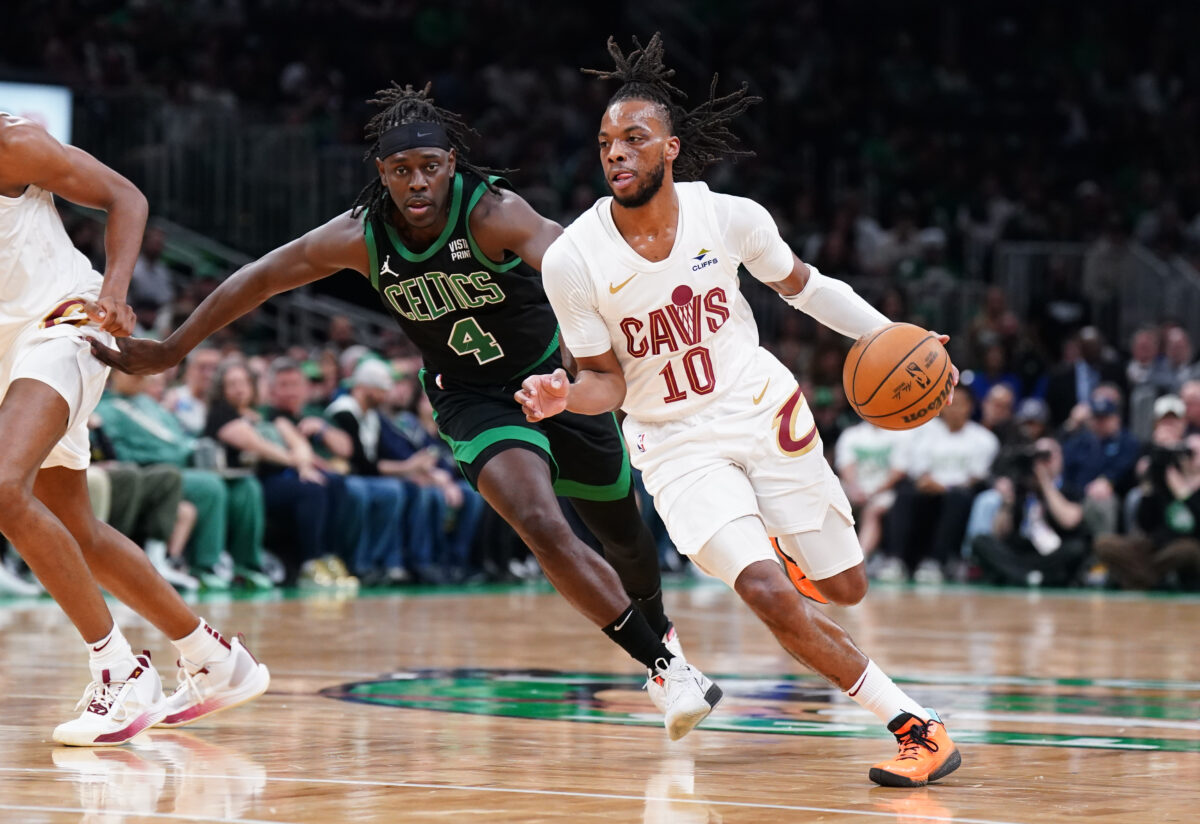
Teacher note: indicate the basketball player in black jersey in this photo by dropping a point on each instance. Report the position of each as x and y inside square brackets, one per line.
[454, 255]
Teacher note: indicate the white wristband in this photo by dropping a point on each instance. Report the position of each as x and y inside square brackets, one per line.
[835, 304]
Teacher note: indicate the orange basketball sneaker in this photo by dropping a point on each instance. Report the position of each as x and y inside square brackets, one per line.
[807, 588]
[926, 753]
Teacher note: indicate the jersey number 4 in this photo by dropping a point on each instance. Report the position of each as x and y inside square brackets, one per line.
[467, 338]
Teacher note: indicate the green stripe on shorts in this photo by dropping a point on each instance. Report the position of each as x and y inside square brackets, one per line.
[614, 491]
[465, 452]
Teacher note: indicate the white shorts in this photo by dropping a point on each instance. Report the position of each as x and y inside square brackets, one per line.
[61, 358]
[821, 553]
[738, 457]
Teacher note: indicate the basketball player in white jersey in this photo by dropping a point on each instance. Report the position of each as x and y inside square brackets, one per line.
[645, 287]
[50, 303]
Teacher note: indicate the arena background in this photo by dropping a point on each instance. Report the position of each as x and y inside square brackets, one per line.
[1024, 177]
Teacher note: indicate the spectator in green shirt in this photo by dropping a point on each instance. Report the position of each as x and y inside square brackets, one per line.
[230, 509]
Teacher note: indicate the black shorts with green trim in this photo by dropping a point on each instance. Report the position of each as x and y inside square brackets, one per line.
[586, 453]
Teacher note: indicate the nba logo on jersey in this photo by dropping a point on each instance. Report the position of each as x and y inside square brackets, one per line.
[641, 442]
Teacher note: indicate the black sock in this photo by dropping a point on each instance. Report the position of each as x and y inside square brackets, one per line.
[652, 608]
[633, 634]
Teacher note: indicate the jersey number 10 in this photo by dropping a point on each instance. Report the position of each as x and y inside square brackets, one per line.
[697, 365]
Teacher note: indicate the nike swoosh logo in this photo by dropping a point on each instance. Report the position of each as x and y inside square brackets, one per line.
[763, 393]
[426, 134]
[612, 290]
[623, 623]
[102, 646]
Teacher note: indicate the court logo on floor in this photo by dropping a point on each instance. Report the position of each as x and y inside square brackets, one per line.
[1048, 712]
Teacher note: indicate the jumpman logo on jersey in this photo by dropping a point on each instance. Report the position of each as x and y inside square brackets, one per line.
[385, 269]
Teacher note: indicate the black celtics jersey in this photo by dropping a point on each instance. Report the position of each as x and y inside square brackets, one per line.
[475, 321]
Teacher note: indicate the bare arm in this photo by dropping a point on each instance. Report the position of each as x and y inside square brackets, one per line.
[1066, 513]
[297, 444]
[505, 222]
[240, 434]
[836, 305]
[31, 156]
[336, 440]
[416, 467]
[337, 245]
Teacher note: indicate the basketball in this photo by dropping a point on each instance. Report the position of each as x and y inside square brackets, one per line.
[897, 377]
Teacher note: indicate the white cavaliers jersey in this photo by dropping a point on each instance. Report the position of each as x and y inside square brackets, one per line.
[40, 269]
[680, 327]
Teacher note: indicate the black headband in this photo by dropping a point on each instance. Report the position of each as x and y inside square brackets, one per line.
[413, 135]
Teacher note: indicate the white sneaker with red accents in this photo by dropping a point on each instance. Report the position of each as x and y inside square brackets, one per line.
[115, 709]
[655, 691]
[688, 695]
[213, 686]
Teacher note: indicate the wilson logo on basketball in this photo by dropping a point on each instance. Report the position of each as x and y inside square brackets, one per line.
[933, 406]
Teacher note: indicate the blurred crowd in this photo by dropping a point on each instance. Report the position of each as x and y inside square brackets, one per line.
[892, 137]
[918, 135]
[1089, 475]
[323, 465]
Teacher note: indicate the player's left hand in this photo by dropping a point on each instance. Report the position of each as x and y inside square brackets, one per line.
[943, 340]
[542, 396]
[111, 315]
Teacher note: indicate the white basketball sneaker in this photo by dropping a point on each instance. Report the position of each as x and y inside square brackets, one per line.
[688, 696]
[116, 709]
[658, 695]
[213, 686]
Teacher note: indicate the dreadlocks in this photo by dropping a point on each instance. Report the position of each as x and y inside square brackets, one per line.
[703, 132]
[404, 104]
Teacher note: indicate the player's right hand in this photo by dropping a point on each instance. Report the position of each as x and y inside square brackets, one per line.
[136, 356]
[542, 396]
[111, 315]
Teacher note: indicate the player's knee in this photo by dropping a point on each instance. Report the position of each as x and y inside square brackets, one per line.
[846, 588]
[86, 534]
[763, 586]
[15, 497]
[543, 529]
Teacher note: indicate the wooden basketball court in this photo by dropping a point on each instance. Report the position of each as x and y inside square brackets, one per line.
[503, 705]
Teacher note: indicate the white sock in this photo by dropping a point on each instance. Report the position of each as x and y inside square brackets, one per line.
[202, 645]
[110, 653]
[876, 692]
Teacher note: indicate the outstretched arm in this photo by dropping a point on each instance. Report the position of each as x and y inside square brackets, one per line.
[32, 156]
[828, 300]
[336, 245]
[599, 387]
[833, 303]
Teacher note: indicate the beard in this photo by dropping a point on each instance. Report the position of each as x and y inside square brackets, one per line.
[649, 188]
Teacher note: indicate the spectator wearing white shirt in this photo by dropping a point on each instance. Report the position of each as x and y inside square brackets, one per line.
[944, 462]
[188, 401]
[864, 462]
